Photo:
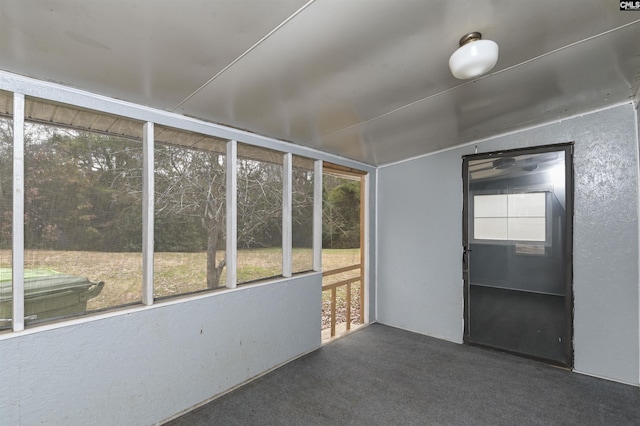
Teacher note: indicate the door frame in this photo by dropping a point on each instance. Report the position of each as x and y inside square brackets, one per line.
[568, 248]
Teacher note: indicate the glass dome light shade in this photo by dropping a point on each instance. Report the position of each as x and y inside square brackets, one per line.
[474, 59]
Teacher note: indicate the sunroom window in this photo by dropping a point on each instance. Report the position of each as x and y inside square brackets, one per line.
[120, 212]
[190, 216]
[259, 210]
[302, 214]
[82, 211]
[6, 223]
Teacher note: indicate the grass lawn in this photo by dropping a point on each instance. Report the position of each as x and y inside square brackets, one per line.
[179, 273]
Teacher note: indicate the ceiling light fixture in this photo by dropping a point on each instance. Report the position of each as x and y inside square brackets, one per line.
[474, 57]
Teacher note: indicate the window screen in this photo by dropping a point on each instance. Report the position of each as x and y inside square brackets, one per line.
[189, 222]
[82, 212]
[302, 214]
[259, 206]
[6, 223]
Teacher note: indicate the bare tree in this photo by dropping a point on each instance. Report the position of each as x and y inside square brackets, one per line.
[259, 204]
[191, 183]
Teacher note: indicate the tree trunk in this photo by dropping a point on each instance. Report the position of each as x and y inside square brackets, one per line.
[214, 271]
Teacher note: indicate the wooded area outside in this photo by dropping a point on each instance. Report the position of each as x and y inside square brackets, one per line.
[83, 209]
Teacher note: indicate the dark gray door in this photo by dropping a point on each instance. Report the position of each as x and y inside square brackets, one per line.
[517, 252]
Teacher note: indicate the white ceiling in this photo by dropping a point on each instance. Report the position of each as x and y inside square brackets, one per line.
[365, 79]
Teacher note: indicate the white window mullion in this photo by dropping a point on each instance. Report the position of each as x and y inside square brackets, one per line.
[148, 200]
[18, 213]
[287, 249]
[317, 215]
[232, 215]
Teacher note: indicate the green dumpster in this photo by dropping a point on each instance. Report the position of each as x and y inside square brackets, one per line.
[47, 294]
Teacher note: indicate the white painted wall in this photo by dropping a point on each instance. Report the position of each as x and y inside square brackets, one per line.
[419, 246]
[420, 234]
[145, 366]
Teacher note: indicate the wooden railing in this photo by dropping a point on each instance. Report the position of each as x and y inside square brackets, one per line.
[347, 283]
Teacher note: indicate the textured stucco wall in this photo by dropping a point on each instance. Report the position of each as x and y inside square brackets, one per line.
[143, 367]
[420, 234]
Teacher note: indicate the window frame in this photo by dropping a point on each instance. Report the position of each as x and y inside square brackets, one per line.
[19, 87]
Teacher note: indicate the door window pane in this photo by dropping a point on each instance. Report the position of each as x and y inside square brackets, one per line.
[517, 264]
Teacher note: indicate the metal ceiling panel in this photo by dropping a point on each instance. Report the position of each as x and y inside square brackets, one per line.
[599, 72]
[594, 74]
[341, 64]
[365, 79]
[325, 70]
[151, 52]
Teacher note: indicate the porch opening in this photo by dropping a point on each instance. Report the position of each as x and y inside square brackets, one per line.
[342, 251]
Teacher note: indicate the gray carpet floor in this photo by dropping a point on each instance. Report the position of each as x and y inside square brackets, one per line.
[381, 375]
